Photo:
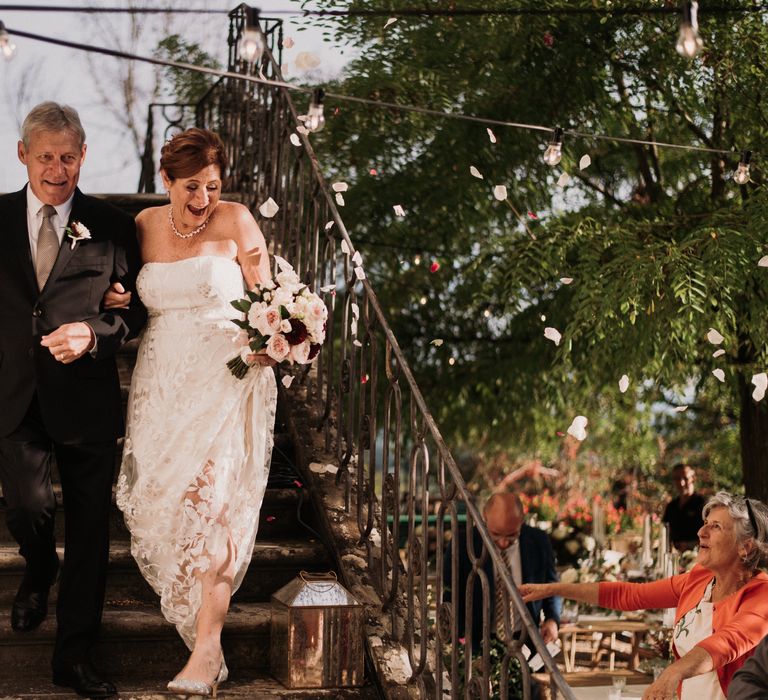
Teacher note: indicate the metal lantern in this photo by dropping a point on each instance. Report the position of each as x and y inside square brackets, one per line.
[317, 634]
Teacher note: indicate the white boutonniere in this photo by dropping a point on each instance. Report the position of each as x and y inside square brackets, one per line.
[77, 231]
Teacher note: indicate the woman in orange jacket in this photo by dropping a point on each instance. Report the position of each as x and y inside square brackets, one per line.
[721, 604]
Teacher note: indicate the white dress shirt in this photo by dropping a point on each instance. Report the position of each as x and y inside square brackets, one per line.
[35, 220]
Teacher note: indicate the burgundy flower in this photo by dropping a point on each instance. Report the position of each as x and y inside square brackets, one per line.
[298, 332]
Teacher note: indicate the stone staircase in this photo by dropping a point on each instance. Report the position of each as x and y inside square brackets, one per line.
[138, 649]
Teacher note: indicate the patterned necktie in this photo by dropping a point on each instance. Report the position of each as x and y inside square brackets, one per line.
[499, 611]
[47, 246]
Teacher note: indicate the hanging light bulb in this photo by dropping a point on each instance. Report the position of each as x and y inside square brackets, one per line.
[315, 120]
[689, 42]
[251, 44]
[741, 176]
[554, 151]
[7, 47]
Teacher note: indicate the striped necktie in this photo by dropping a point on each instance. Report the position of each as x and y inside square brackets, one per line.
[47, 246]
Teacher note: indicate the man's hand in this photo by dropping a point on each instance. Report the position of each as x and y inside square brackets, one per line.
[548, 631]
[69, 342]
[116, 297]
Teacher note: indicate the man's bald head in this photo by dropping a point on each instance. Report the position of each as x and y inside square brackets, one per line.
[504, 515]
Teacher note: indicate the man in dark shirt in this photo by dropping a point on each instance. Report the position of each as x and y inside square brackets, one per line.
[684, 512]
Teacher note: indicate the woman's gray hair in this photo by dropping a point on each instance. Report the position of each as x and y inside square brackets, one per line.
[51, 116]
[745, 530]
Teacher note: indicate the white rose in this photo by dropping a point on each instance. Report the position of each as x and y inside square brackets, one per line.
[288, 279]
[269, 322]
[569, 576]
[278, 348]
[285, 326]
[256, 310]
[282, 296]
[300, 353]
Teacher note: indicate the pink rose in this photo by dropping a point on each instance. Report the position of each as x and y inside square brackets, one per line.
[268, 322]
[278, 347]
[300, 352]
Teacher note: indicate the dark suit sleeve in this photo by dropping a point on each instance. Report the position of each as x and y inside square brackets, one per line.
[114, 327]
[551, 606]
[750, 682]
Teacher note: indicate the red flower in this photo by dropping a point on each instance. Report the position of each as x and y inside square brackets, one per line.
[548, 39]
[373, 171]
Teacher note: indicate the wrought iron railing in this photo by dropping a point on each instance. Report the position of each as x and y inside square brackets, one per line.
[392, 458]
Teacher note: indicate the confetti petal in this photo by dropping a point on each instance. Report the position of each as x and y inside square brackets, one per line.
[475, 172]
[287, 380]
[584, 162]
[563, 180]
[531, 215]
[302, 130]
[552, 334]
[763, 262]
[578, 428]
[719, 352]
[288, 43]
[359, 273]
[269, 208]
[623, 383]
[761, 384]
[680, 409]
[500, 192]
[714, 337]
[340, 186]
[328, 288]
[566, 280]
[295, 140]
[719, 374]
[373, 172]
[491, 136]
[340, 199]
[434, 267]
[329, 225]
[345, 247]
[391, 20]
[437, 342]
[399, 211]
[307, 61]
[357, 343]
[357, 258]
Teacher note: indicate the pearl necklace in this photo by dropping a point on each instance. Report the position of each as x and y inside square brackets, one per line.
[193, 232]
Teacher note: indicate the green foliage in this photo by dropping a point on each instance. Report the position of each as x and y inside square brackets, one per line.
[660, 243]
[186, 87]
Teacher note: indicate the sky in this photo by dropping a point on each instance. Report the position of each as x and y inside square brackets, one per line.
[40, 71]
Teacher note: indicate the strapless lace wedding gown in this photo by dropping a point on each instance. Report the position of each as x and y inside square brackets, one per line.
[198, 441]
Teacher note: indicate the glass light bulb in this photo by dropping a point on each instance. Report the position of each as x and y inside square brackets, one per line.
[315, 120]
[553, 154]
[741, 176]
[689, 43]
[251, 46]
[7, 47]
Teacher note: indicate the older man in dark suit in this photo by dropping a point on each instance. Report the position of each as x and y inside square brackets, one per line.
[59, 387]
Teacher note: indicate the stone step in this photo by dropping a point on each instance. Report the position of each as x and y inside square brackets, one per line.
[278, 518]
[273, 564]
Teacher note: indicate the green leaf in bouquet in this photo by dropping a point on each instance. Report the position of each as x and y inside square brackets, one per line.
[253, 296]
[241, 324]
[241, 305]
[258, 343]
[284, 313]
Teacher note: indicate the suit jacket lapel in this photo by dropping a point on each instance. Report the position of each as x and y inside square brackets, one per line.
[20, 236]
[67, 250]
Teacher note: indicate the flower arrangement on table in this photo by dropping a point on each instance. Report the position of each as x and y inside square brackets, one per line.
[283, 318]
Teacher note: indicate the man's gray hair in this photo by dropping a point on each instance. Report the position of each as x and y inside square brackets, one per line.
[745, 531]
[51, 116]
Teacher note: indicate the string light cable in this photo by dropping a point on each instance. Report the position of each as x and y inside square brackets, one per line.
[318, 97]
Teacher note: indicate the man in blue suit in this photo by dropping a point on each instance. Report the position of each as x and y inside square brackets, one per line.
[528, 553]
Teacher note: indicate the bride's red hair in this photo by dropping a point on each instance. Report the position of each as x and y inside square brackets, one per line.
[190, 151]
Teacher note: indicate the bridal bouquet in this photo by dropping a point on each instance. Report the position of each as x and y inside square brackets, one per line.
[283, 318]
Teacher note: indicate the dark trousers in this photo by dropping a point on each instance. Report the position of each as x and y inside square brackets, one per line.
[86, 471]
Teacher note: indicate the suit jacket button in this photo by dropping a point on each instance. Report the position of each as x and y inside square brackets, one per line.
[37, 312]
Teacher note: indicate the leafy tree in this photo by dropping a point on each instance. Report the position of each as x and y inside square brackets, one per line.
[660, 244]
[183, 85]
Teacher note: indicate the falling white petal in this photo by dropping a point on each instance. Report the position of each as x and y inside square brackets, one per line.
[475, 172]
[500, 192]
[287, 380]
[563, 180]
[623, 383]
[761, 384]
[353, 326]
[295, 140]
[307, 61]
[543, 318]
[719, 352]
[340, 186]
[552, 334]
[763, 262]
[714, 337]
[491, 136]
[283, 264]
[578, 428]
[391, 20]
[355, 310]
[329, 225]
[269, 208]
[340, 199]
[566, 280]
[399, 211]
[357, 343]
[360, 273]
[328, 288]
[357, 258]
[288, 43]
[437, 342]
[680, 409]
[302, 130]
[584, 162]
[719, 374]
[345, 247]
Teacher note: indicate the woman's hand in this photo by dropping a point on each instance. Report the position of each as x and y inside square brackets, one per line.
[260, 358]
[116, 297]
[535, 591]
[665, 687]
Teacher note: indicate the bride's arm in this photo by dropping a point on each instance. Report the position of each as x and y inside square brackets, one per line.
[252, 252]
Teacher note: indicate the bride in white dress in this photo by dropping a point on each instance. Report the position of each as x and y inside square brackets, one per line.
[198, 441]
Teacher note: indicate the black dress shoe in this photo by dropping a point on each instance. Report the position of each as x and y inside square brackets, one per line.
[31, 603]
[84, 680]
